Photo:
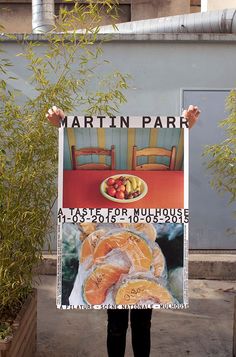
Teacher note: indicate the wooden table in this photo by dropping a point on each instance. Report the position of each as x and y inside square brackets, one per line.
[81, 189]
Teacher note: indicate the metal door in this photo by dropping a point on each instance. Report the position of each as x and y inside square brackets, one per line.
[211, 216]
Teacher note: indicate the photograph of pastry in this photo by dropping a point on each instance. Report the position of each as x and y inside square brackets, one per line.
[122, 264]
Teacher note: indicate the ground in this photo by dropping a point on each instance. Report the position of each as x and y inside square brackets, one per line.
[203, 330]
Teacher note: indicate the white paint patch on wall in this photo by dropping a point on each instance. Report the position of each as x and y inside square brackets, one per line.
[219, 4]
[204, 5]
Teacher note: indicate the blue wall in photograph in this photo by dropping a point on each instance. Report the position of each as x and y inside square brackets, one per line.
[123, 139]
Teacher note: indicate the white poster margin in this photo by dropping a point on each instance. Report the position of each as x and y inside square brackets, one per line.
[135, 123]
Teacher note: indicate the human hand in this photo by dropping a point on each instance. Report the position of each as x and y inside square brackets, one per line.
[191, 114]
[55, 115]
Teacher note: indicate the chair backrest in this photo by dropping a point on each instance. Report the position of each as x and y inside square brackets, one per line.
[92, 151]
[171, 154]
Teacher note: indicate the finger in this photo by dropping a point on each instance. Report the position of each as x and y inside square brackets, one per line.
[60, 113]
[191, 107]
[55, 109]
[47, 116]
[195, 110]
[50, 111]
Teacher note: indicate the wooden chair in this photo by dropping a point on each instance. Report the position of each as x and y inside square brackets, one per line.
[76, 153]
[171, 154]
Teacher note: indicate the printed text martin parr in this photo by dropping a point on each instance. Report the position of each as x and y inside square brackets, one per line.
[124, 122]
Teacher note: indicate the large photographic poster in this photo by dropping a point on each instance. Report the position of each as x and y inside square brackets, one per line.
[123, 212]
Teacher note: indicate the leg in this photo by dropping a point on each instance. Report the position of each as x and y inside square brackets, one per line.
[141, 331]
[116, 332]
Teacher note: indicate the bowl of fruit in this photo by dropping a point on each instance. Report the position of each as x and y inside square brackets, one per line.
[123, 189]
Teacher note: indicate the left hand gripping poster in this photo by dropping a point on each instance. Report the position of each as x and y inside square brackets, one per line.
[123, 212]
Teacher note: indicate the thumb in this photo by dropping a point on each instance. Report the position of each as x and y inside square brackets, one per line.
[61, 114]
[184, 114]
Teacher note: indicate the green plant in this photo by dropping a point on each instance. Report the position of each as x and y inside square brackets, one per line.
[5, 330]
[222, 156]
[61, 75]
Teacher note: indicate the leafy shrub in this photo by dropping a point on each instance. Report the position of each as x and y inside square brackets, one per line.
[222, 156]
[28, 143]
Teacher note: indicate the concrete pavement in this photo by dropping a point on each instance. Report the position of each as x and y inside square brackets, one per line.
[204, 330]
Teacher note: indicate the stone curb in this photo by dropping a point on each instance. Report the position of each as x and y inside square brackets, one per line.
[212, 266]
[201, 266]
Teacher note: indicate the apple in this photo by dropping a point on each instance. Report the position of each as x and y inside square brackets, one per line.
[119, 182]
[121, 188]
[111, 191]
[110, 181]
[120, 195]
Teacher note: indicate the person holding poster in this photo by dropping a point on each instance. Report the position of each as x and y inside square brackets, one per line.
[117, 318]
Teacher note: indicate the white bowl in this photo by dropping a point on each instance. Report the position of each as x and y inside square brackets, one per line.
[103, 186]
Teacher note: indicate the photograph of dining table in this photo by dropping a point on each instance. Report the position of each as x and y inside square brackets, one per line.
[81, 188]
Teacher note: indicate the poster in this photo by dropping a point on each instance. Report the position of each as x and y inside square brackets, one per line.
[123, 212]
